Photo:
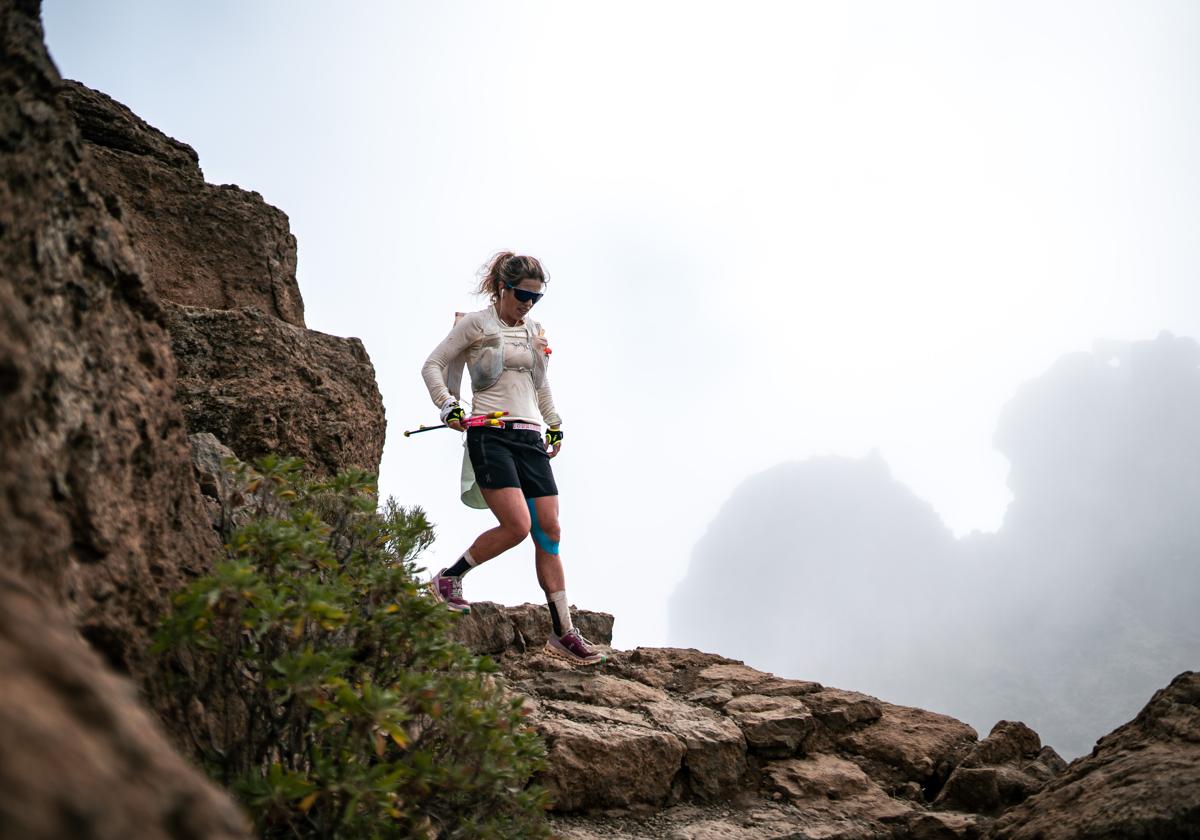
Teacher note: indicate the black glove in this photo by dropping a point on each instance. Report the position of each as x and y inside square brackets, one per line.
[553, 437]
[453, 411]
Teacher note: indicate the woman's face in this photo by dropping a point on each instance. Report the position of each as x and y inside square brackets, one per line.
[513, 310]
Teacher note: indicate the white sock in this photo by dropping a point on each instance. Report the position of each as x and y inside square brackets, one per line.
[560, 613]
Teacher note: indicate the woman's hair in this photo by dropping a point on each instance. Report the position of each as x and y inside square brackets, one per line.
[506, 267]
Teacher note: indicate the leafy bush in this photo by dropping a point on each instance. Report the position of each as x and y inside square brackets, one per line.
[329, 696]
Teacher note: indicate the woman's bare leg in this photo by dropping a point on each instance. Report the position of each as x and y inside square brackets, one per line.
[508, 505]
[565, 642]
[549, 566]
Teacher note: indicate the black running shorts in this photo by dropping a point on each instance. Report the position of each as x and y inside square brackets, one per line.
[511, 457]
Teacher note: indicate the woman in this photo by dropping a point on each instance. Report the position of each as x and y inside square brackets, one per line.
[506, 354]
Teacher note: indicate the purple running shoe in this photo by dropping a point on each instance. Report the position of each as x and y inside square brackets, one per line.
[448, 590]
[572, 647]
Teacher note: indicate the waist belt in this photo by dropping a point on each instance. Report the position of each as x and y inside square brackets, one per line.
[525, 427]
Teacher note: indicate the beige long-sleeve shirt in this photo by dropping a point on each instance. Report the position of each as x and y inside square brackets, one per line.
[513, 392]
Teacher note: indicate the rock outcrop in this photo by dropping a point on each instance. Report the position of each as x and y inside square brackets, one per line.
[222, 263]
[1141, 780]
[109, 236]
[80, 756]
[216, 247]
[1002, 770]
[97, 500]
[668, 742]
[99, 514]
[261, 385]
[675, 743]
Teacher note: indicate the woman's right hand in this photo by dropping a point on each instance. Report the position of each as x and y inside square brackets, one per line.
[454, 416]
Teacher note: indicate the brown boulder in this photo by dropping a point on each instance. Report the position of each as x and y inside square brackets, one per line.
[841, 711]
[533, 626]
[817, 777]
[200, 244]
[264, 386]
[1002, 770]
[80, 758]
[716, 749]
[604, 765]
[908, 746]
[835, 797]
[497, 630]
[596, 688]
[586, 712]
[703, 677]
[772, 725]
[1141, 780]
[487, 629]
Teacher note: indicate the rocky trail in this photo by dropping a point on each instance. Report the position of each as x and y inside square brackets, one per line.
[676, 743]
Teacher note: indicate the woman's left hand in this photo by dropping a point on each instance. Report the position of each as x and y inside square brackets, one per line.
[554, 441]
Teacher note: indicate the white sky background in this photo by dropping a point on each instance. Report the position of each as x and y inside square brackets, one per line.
[773, 230]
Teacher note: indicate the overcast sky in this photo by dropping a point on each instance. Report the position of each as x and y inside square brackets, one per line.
[773, 230]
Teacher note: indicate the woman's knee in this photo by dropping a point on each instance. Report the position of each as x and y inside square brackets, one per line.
[545, 528]
[515, 530]
[551, 529]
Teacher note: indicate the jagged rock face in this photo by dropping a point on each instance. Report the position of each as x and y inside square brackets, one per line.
[1141, 780]
[100, 517]
[218, 247]
[667, 742]
[263, 386]
[223, 263]
[80, 757]
[97, 501]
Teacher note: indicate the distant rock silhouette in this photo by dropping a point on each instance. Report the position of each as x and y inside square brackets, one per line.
[1068, 616]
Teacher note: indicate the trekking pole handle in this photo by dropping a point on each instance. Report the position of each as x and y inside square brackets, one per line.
[424, 428]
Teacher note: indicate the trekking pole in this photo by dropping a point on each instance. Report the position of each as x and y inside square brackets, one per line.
[492, 419]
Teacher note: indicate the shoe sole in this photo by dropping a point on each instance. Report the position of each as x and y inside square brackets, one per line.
[437, 596]
[574, 660]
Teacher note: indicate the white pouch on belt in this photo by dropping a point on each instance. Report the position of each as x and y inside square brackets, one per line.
[469, 491]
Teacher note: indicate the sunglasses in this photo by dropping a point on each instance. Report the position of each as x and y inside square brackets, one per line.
[524, 295]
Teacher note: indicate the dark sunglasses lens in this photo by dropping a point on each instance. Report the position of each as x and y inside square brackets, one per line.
[526, 296]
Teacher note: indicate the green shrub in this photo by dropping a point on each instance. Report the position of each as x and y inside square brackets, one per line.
[331, 700]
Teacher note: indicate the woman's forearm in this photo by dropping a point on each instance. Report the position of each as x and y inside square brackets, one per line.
[546, 405]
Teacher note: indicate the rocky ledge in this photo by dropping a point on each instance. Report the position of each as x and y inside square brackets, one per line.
[221, 265]
[669, 742]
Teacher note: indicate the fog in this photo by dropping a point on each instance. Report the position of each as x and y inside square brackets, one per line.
[1068, 617]
[776, 233]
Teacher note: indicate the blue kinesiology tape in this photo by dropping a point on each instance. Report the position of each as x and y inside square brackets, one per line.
[539, 536]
